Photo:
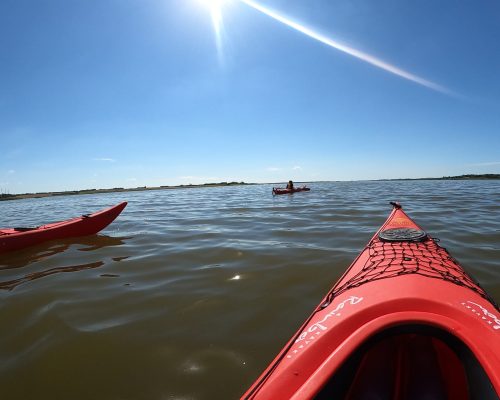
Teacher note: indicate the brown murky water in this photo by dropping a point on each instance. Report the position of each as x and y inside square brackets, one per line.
[190, 293]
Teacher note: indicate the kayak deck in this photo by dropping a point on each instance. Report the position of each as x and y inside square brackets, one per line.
[384, 260]
[405, 321]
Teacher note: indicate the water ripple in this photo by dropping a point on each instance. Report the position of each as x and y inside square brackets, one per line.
[190, 293]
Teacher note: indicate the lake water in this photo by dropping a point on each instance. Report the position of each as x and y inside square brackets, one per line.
[190, 293]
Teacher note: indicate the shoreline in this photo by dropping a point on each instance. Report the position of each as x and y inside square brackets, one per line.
[6, 197]
[468, 177]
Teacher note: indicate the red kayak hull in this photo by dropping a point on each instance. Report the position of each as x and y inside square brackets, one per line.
[404, 322]
[15, 239]
[290, 191]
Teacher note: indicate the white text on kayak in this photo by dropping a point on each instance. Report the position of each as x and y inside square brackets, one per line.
[487, 314]
[321, 324]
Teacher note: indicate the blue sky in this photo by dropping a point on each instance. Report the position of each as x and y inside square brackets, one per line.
[126, 93]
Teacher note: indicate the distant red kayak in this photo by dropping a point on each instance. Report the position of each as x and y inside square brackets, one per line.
[19, 238]
[289, 191]
[404, 322]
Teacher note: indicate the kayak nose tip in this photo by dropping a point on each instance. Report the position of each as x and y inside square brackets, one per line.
[395, 204]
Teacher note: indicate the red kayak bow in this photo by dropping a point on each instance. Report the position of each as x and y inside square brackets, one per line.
[405, 321]
[19, 238]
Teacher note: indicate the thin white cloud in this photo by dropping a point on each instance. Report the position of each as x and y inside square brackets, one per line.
[105, 159]
[297, 168]
[192, 178]
[273, 169]
[11, 171]
[485, 164]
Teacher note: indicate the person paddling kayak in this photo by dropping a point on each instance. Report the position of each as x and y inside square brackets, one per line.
[290, 189]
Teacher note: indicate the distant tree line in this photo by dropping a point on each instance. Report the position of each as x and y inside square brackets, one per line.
[473, 176]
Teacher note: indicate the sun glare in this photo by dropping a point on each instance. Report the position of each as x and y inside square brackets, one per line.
[346, 49]
[215, 8]
[212, 3]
